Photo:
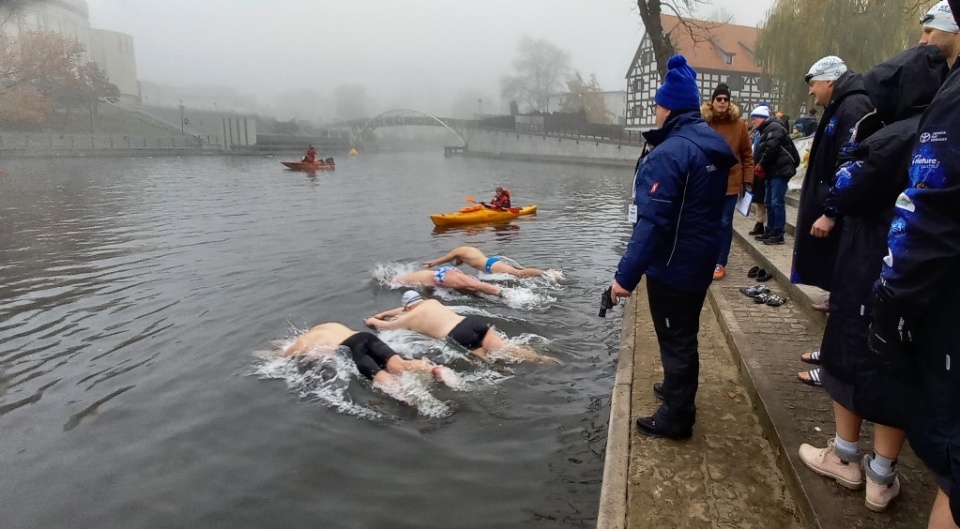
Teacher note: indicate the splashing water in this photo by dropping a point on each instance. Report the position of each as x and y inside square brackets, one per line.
[385, 272]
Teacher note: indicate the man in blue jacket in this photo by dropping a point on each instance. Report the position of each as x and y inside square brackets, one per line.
[917, 303]
[679, 189]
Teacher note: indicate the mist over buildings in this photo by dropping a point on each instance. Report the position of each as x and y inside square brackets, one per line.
[291, 58]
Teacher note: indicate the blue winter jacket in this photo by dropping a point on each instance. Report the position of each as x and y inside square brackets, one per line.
[679, 189]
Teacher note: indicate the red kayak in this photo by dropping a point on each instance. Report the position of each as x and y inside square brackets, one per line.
[310, 166]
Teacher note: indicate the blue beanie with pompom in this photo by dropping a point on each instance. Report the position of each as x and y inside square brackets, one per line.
[679, 90]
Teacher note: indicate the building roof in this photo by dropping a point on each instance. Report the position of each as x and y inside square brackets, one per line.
[713, 42]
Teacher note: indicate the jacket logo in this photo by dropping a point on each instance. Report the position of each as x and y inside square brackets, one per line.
[933, 137]
[925, 163]
[653, 189]
[711, 168]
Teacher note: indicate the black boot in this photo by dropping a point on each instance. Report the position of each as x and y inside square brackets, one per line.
[757, 229]
[767, 232]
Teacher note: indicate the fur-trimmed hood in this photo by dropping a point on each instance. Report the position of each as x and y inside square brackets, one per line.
[707, 112]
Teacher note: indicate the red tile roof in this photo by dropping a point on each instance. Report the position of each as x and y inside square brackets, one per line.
[715, 39]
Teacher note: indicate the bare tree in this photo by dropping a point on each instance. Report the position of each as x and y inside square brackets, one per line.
[663, 48]
[540, 71]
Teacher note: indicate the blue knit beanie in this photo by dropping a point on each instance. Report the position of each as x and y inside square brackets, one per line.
[679, 90]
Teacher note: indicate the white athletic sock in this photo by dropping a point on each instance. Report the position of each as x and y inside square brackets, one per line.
[846, 450]
[882, 466]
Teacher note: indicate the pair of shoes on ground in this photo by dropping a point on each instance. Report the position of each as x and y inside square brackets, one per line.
[759, 273]
[826, 462]
[762, 294]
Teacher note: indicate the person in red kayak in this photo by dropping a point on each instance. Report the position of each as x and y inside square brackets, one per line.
[502, 200]
[311, 155]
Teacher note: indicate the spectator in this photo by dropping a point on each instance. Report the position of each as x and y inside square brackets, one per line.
[723, 116]
[679, 189]
[808, 123]
[867, 184]
[776, 162]
[917, 302]
[845, 102]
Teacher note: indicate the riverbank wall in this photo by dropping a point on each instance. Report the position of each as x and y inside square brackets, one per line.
[549, 148]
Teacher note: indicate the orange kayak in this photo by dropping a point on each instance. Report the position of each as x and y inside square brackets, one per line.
[480, 214]
[307, 166]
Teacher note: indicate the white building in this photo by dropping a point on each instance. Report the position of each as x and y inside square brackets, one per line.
[112, 51]
[723, 54]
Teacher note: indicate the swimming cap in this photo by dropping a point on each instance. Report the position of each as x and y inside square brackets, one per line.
[409, 297]
[940, 17]
[829, 68]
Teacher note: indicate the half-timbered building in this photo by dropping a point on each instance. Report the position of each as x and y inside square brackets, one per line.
[720, 53]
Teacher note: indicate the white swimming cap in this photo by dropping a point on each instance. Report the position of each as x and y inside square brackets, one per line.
[829, 68]
[409, 297]
[761, 111]
[940, 17]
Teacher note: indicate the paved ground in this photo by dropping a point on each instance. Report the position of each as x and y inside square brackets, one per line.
[741, 468]
[726, 476]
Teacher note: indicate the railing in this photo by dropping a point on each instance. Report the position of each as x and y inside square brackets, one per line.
[86, 142]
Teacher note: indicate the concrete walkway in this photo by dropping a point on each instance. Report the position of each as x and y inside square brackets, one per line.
[741, 468]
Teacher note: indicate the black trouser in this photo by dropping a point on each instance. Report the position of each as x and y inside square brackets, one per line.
[676, 318]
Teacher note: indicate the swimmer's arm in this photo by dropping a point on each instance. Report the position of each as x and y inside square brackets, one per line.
[447, 257]
[388, 313]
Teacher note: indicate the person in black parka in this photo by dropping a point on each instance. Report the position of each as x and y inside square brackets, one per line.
[845, 102]
[873, 172]
[917, 304]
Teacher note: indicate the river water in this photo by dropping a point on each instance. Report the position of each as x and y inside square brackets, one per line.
[135, 295]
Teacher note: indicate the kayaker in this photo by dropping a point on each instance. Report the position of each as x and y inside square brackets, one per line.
[448, 277]
[502, 200]
[311, 156]
[433, 319]
[496, 264]
[375, 360]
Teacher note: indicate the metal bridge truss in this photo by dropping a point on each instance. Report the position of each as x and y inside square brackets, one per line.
[404, 117]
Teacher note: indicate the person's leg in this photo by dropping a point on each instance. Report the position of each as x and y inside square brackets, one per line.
[772, 212]
[503, 268]
[883, 485]
[676, 319]
[492, 341]
[778, 193]
[458, 280]
[726, 228]
[444, 374]
[840, 460]
[940, 515]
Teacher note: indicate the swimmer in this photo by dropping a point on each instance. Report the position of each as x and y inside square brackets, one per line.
[448, 277]
[375, 360]
[432, 318]
[496, 264]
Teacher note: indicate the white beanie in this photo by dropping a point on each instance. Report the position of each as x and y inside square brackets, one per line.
[829, 68]
[940, 17]
[760, 112]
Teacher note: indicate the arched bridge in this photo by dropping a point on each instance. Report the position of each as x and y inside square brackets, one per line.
[405, 117]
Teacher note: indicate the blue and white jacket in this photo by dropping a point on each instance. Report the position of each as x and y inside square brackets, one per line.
[679, 189]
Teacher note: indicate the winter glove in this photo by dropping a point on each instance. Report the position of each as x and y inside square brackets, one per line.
[889, 336]
[759, 172]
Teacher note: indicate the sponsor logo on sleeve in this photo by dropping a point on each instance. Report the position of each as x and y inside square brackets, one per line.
[654, 187]
[906, 203]
[933, 137]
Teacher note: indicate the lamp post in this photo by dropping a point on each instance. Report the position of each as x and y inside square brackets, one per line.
[479, 108]
[181, 118]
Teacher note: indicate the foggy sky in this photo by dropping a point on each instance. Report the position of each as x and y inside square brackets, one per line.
[421, 54]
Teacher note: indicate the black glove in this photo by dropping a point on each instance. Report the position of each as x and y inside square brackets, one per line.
[889, 336]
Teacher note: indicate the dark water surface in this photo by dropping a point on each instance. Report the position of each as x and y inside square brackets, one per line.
[133, 293]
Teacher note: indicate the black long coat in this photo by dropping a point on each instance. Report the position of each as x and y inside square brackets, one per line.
[873, 172]
[813, 258]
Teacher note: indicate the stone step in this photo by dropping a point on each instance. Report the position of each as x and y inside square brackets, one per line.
[767, 342]
[778, 261]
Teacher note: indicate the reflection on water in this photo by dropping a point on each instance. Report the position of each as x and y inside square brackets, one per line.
[133, 291]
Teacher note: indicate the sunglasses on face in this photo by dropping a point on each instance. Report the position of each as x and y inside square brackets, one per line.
[722, 99]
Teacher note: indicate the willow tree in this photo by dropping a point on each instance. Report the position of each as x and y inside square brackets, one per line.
[862, 32]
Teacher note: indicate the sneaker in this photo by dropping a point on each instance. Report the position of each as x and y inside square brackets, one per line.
[879, 494]
[718, 272]
[774, 239]
[757, 229]
[826, 462]
[766, 233]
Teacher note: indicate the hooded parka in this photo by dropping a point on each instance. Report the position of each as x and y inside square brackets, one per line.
[814, 259]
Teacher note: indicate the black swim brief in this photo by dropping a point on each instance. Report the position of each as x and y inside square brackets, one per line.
[369, 353]
[469, 333]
